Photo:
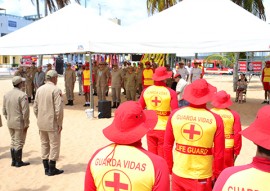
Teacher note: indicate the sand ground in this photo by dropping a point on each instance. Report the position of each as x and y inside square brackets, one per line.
[81, 136]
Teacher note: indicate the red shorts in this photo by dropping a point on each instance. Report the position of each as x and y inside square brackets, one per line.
[266, 86]
[86, 89]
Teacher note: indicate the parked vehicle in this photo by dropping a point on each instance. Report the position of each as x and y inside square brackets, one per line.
[216, 67]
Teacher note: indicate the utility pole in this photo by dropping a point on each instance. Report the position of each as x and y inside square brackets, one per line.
[99, 9]
[85, 3]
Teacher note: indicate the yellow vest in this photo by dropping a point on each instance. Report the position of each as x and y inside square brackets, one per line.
[158, 98]
[266, 77]
[148, 74]
[113, 168]
[194, 130]
[228, 121]
[86, 77]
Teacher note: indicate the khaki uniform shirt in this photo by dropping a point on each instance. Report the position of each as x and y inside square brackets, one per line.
[130, 81]
[103, 77]
[33, 70]
[70, 77]
[16, 109]
[19, 73]
[48, 107]
[139, 74]
[116, 78]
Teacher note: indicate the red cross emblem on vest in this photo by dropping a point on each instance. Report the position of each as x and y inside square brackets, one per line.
[116, 180]
[156, 101]
[192, 132]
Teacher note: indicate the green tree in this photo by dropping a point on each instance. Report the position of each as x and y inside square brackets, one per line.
[256, 7]
[154, 6]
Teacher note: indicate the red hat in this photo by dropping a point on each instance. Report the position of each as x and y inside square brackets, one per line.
[267, 62]
[199, 92]
[147, 63]
[176, 75]
[86, 64]
[221, 100]
[259, 131]
[130, 123]
[161, 73]
[177, 64]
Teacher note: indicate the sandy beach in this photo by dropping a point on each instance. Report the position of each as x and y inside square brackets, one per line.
[81, 137]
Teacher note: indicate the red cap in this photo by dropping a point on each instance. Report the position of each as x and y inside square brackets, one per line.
[161, 73]
[131, 123]
[199, 92]
[259, 131]
[222, 100]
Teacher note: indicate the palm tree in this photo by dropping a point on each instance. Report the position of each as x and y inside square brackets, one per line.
[52, 5]
[154, 6]
[256, 7]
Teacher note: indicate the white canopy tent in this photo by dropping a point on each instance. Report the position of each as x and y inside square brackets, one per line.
[70, 29]
[202, 26]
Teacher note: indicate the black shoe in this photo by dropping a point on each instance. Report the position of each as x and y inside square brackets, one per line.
[18, 158]
[53, 170]
[265, 102]
[46, 166]
[68, 102]
[71, 103]
[86, 105]
[12, 151]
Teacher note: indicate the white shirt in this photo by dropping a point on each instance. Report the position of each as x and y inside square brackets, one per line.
[196, 73]
[180, 87]
[183, 72]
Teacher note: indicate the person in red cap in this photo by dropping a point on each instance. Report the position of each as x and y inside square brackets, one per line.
[124, 164]
[147, 75]
[162, 100]
[266, 82]
[256, 175]
[86, 84]
[195, 130]
[232, 126]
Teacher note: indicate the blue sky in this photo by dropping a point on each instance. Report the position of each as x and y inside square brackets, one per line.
[128, 11]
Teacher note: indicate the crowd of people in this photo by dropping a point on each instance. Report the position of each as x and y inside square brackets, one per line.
[190, 147]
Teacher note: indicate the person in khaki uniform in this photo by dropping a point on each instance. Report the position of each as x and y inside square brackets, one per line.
[16, 111]
[70, 79]
[117, 79]
[131, 84]
[139, 74]
[19, 72]
[28, 83]
[33, 70]
[103, 75]
[48, 108]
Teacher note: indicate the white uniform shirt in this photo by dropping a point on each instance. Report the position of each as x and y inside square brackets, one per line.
[180, 87]
[183, 72]
[196, 73]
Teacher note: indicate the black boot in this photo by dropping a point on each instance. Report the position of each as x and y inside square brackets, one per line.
[71, 102]
[114, 105]
[117, 104]
[46, 166]
[18, 158]
[68, 102]
[52, 170]
[12, 152]
[29, 99]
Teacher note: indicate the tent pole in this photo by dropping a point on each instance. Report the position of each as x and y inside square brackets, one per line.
[91, 83]
[235, 71]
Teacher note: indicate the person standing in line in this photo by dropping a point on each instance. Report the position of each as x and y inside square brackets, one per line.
[195, 130]
[70, 79]
[33, 70]
[183, 71]
[19, 72]
[256, 175]
[49, 67]
[196, 72]
[162, 100]
[266, 82]
[16, 111]
[79, 75]
[180, 87]
[135, 168]
[39, 79]
[48, 108]
[86, 84]
[103, 76]
[28, 83]
[130, 84]
[139, 73]
[117, 80]
[232, 126]
[147, 75]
